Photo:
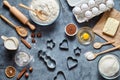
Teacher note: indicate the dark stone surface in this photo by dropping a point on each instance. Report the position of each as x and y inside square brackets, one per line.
[84, 71]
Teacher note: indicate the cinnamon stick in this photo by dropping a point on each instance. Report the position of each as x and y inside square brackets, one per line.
[26, 43]
[21, 73]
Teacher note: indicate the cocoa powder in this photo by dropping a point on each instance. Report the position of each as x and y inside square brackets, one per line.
[71, 29]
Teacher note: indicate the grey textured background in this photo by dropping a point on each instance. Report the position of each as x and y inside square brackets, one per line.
[84, 71]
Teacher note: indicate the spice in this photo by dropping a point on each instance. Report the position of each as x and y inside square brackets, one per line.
[10, 71]
[21, 73]
[26, 43]
[71, 29]
[39, 35]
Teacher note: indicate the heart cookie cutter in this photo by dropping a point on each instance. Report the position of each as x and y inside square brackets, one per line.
[50, 44]
[64, 45]
[51, 64]
[77, 51]
[60, 73]
[72, 63]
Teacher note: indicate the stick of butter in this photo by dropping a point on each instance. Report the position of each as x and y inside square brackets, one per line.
[111, 26]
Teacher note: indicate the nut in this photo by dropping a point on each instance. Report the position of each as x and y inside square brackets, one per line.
[31, 69]
[39, 35]
[26, 75]
[33, 40]
[33, 35]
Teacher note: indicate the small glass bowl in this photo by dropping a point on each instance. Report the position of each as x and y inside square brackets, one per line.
[23, 58]
[89, 32]
[110, 77]
[38, 21]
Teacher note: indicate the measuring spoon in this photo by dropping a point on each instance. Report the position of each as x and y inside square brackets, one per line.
[39, 13]
[98, 45]
[20, 30]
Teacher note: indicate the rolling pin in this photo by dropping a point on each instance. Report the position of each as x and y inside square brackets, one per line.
[19, 15]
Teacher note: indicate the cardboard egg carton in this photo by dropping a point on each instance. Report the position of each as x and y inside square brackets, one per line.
[84, 10]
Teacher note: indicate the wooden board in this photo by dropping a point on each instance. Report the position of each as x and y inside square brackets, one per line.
[99, 26]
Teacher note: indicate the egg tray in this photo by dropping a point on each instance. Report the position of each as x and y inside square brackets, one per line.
[84, 10]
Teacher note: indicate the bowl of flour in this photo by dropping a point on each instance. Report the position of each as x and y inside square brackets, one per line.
[49, 8]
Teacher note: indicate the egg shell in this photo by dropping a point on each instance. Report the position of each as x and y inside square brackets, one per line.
[76, 10]
[88, 14]
[95, 11]
[91, 3]
[102, 7]
[110, 3]
[84, 7]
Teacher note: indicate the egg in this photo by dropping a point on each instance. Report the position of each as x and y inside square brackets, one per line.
[88, 14]
[84, 7]
[76, 10]
[91, 3]
[95, 11]
[102, 7]
[110, 3]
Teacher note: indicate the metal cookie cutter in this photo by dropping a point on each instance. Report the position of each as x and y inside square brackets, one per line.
[77, 51]
[60, 76]
[51, 64]
[71, 62]
[50, 44]
[64, 45]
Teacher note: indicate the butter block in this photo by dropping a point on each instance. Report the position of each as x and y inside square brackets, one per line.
[111, 26]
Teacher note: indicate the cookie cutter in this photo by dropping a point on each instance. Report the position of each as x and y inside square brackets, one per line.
[64, 45]
[50, 63]
[71, 63]
[77, 51]
[50, 44]
[58, 75]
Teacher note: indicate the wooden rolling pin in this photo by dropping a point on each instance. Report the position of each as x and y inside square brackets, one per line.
[19, 15]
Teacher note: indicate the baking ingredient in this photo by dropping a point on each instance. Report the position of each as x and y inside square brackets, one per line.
[76, 10]
[10, 44]
[102, 7]
[33, 40]
[31, 69]
[49, 7]
[88, 14]
[70, 29]
[26, 43]
[10, 71]
[39, 35]
[95, 11]
[89, 55]
[110, 3]
[85, 36]
[91, 3]
[109, 65]
[111, 26]
[33, 35]
[26, 75]
[21, 73]
[84, 7]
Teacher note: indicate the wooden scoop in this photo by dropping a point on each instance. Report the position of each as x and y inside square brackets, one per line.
[39, 13]
[98, 45]
[103, 52]
[20, 30]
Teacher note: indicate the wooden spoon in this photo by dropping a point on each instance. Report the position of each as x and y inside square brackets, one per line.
[39, 13]
[98, 45]
[103, 52]
[20, 30]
